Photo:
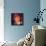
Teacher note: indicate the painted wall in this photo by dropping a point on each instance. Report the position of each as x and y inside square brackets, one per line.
[43, 6]
[1, 21]
[29, 8]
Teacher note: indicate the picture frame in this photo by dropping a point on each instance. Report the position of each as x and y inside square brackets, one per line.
[17, 19]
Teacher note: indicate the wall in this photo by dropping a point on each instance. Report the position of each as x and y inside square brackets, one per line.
[43, 6]
[1, 21]
[28, 7]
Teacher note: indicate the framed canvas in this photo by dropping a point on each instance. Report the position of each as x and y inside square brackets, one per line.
[17, 19]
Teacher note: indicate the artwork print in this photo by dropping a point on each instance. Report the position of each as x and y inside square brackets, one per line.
[17, 19]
